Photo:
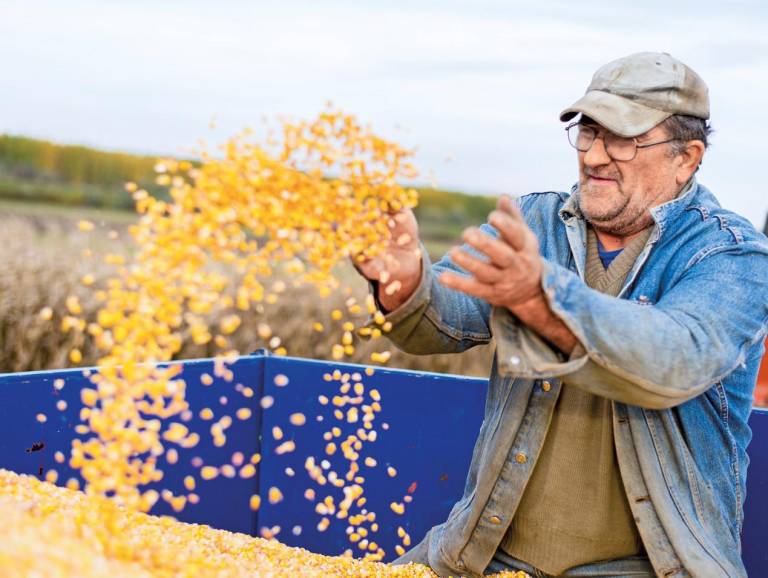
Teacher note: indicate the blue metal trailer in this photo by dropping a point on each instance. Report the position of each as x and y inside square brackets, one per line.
[426, 430]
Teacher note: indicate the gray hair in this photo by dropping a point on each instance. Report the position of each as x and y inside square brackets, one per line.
[684, 128]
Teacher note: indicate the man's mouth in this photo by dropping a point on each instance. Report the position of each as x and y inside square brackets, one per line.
[600, 180]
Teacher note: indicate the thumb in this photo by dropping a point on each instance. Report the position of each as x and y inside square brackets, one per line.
[369, 268]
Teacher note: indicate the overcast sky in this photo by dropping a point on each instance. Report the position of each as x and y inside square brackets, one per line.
[476, 86]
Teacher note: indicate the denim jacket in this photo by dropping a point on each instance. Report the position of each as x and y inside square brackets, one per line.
[677, 352]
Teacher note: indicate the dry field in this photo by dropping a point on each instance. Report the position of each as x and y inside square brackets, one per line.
[43, 256]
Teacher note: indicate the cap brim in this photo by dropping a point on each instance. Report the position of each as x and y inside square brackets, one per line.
[618, 114]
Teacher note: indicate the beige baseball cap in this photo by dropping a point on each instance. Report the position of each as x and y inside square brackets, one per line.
[631, 95]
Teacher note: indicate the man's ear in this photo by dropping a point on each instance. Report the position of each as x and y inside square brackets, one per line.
[690, 159]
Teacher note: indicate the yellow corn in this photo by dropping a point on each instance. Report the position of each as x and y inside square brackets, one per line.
[51, 531]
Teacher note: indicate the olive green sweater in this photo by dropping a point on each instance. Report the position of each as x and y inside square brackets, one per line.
[574, 509]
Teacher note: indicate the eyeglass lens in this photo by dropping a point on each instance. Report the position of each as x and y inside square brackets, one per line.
[618, 148]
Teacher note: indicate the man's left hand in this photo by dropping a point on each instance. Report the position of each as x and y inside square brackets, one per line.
[510, 276]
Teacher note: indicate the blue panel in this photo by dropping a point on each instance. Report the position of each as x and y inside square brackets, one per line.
[433, 423]
[223, 502]
[753, 542]
[22, 397]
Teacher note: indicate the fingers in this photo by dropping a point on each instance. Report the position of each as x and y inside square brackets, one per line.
[371, 269]
[508, 221]
[404, 230]
[499, 252]
[467, 285]
[510, 230]
[508, 204]
[483, 271]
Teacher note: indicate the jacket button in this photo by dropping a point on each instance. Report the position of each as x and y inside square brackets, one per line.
[495, 520]
[546, 386]
[514, 360]
[521, 458]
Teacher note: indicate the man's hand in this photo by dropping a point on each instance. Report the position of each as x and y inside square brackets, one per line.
[398, 270]
[511, 274]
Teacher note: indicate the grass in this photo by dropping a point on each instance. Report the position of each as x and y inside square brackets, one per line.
[43, 257]
[48, 210]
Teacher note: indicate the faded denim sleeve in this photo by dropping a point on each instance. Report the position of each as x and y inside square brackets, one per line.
[654, 356]
[436, 319]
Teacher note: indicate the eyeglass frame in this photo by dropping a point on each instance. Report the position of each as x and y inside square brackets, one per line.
[597, 133]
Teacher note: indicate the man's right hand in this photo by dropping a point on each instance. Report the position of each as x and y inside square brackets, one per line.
[398, 269]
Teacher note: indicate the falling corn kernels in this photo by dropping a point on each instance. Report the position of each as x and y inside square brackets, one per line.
[297, 419]
[267, 401]
[281, 380]
[209, 472]
[275, 495]
[381, 357]
[285, 447]
[170, 288]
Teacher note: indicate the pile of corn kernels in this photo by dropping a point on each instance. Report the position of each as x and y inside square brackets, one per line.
[53, 532]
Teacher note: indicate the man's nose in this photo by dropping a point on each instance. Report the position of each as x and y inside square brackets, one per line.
[597, 155]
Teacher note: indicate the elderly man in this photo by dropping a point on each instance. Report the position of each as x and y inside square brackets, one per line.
[629, 319]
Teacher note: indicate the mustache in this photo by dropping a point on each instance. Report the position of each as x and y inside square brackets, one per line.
[601, 175]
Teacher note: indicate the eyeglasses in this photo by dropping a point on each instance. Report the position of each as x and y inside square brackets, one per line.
[619, 148]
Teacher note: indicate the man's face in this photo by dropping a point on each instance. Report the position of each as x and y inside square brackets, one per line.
[615, 195]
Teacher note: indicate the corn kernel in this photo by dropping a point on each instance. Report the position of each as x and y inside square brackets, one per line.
[281, 380]
[267, 401]
[285, 447]
[209, 472]
[275, 495]
[297, 419]
[171, 456]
